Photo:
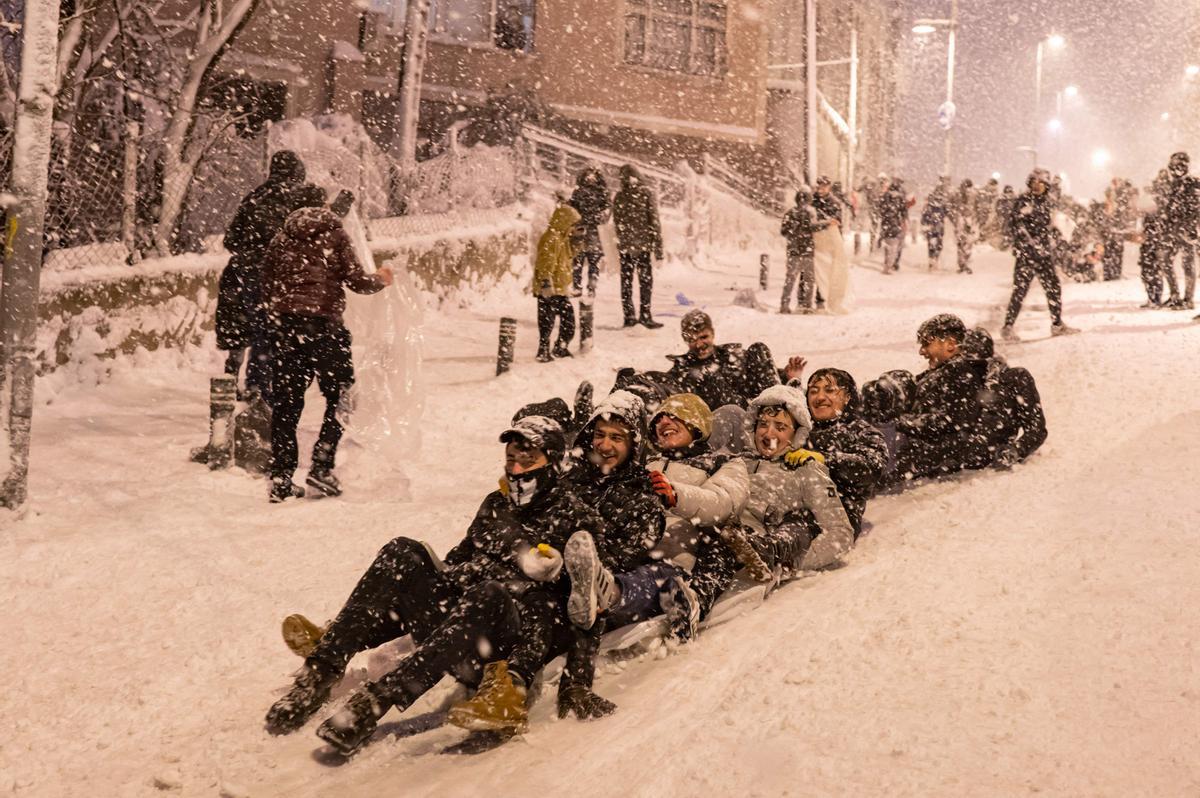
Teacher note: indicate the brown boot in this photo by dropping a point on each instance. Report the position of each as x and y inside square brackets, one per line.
[301, 635]
[738, 541]
[498, 705]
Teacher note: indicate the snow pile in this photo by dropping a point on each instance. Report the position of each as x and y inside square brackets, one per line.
[338, 154]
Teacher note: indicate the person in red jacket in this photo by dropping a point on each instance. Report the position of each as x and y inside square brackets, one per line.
[305, 269]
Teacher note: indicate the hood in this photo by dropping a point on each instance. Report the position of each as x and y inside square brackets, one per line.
[286, 166]
[563, 219]
[622, 406]
[309, 223]
[791, 399]
[977, 344]
[846, 380]
[886, 398]
[542, 432]
[630, 173]
[691, 410]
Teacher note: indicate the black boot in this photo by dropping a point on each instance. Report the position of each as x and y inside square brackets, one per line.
[560, 350]
[351, 727]
[543, 355]
[320, 475]
[650, 323]
[282, 489]
[307, 695]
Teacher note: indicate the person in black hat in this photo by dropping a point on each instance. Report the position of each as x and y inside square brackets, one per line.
[1181, 216]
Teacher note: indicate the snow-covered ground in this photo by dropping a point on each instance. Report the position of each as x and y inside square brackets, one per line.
[1001, 634]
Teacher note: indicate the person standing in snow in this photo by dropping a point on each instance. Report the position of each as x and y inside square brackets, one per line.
[833, 272]
[241, 321]
[1034, 248]
[893, 218]
[305, 270]
[799, 225]
[1181, 216]
[1004, 208]
[793, 519]
[552, 283]
[966, 226]
[590, 199]
[639, 238]
[933, 223]
[1150, 258]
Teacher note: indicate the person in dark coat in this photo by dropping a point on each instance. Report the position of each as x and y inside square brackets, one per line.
[590, 199]
[854, 451]
[304, 271]
[933, 223]
[722, 374]
[942, 428]
[1033, 244]
[639, 238]
[240, 321]
[893, 219]
[1181, 217]
[798, 227]
[1150, 258]
[1004, 207]
[1012, 421]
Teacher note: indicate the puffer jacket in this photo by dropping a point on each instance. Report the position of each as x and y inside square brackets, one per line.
[307, 264]
[552, 269]
[710, 490]
[635, 215]
[590, 198]
[856, 455]
[779, 494]
[633, 515]
[732, 376]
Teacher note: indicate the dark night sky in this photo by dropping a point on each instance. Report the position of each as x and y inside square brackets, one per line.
[1126, 56]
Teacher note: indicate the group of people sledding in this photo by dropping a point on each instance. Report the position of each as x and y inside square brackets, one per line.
[648, 505]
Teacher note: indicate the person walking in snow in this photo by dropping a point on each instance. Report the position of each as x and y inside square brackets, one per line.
[241, 321]
[639, 238]
[893, 220]
[306, 269]
[966, 225]
[1034, 248]
[799, 225]
[1181, 218]
[552, 283]
[933, 223]
[590, 199]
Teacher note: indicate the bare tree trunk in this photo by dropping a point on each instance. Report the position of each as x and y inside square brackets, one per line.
[416, 32]
[23, 253]
[181, 153]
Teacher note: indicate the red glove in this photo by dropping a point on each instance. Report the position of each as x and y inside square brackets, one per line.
[662, 486]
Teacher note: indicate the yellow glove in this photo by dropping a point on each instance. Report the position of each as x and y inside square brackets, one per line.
[801, 456]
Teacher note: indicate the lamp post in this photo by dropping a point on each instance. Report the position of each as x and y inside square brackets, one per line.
[1055, 42]
[925, 26]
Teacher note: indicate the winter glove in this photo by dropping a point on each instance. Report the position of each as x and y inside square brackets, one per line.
[801, 456]
[662, 486]
[584, 703]
[541, 563]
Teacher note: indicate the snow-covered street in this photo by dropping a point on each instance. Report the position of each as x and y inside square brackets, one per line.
[995, 634]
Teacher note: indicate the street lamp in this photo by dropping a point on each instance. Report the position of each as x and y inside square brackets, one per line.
[1100, 158]
[1071, 92]
[1054, 42]
[1192, 70]
[947, 111]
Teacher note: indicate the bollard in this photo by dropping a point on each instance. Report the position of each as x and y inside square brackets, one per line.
[764, 270]
[222, 394]
[857, 242]
[508, 339]
[585, 326]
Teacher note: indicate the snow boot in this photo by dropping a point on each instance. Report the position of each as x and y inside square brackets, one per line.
[1009, 334]
[682, 608]
[218, 453]
[1062, 329]
[282, 489]
[560, 350]
[650, 324]
[308, 694]
[583, 702]
[593, 588]
[736, 537]
[301, 635]
[498, 705]
[543, 354]
[323, 481]
[630, 323]
[351, 727]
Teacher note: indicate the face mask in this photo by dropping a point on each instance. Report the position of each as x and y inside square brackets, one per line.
[522, 488]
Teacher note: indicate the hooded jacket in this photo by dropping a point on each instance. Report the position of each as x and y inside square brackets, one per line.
[590, 198]
[635, 215]
[779, 494]
[555, 254]
[798, 226]
[307, 264]
[633, 515]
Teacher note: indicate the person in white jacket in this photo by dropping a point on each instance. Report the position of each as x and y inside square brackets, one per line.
[794, 519]
[701, 491]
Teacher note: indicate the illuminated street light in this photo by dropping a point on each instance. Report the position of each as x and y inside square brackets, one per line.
[1071, 92]
[1055, 41]
[1100, 158]
[996, 176]
[1165, 116]
[1192, 70]
[1054, 125]
[923, 29]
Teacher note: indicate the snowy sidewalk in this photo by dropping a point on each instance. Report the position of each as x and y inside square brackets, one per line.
[1030, 631]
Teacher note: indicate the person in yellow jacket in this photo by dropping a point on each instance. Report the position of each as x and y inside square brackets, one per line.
[552, 283]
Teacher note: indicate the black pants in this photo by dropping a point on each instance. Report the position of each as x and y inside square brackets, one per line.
[1024, 272]
[713, 572]
[636, 262]
[303, 348]
[550, 308]
[1114, 253]
[592, 259]
[1188, 249]
[933, 240]
[1152, 277]
[401, 593]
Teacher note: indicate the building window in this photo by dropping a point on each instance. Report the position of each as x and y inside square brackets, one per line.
[505, 24]
[677, 35]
